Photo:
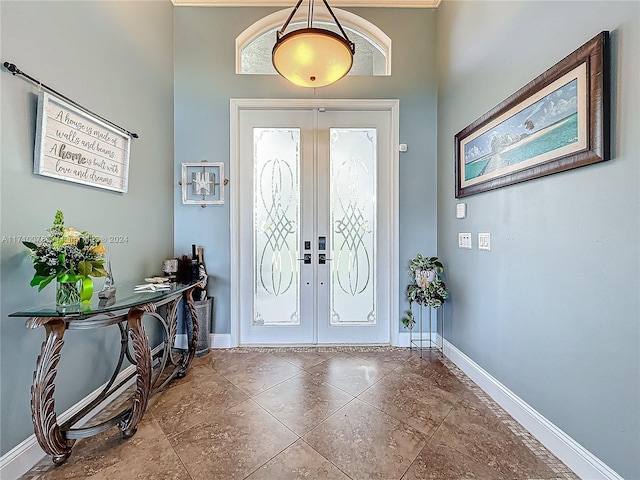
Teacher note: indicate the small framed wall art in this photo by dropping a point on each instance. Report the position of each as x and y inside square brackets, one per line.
[203, 183]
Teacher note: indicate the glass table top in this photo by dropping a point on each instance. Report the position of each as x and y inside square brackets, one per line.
[124, 298]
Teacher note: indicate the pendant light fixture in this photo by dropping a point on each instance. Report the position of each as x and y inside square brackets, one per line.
[312, 57]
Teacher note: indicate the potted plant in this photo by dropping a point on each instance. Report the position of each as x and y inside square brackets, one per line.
[425, 286]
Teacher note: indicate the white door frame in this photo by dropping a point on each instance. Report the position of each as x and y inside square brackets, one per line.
[236, 106]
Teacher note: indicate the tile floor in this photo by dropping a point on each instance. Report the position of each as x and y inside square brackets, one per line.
[316, 413]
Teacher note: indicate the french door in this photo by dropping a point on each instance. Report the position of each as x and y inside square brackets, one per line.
[315, 225]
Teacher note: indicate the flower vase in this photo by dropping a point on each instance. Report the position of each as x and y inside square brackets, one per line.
[68, 295]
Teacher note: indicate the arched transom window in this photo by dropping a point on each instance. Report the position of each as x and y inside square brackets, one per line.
[373, 46]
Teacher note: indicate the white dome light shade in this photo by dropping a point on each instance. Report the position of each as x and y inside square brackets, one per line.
[312, 57]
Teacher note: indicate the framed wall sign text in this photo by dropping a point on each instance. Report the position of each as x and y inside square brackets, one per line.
[76, 146]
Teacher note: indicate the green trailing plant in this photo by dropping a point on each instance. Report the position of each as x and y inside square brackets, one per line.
[420, 262]
[408, 320]
[425, 287]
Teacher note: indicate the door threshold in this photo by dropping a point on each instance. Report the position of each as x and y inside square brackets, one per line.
[317, 347]
[278, 345]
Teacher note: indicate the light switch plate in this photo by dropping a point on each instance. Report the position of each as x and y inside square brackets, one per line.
[484, 241]
[464, 240]
[461, 210]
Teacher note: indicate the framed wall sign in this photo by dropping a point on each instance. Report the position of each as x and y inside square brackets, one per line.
[558, 121]
[74, 145]
[203, 183]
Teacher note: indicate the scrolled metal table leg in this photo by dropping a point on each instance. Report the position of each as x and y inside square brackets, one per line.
[129, 424]
[193, 344]
[43, 415]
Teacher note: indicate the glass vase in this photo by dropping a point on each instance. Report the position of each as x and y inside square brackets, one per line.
[68, 295]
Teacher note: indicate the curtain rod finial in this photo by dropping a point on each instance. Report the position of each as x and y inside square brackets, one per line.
[11, 67]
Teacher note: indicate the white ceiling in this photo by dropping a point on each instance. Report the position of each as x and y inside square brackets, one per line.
[291, 3]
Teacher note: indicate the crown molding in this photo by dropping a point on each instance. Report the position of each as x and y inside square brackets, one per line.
[289, 3]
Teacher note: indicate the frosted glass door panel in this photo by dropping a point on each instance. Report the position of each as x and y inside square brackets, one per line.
[314, 227]
[276, 226]
[353, 225]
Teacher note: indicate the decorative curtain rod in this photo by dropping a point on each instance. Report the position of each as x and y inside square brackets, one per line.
[16, 71]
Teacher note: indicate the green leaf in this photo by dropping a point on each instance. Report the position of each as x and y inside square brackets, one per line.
[30, 245]
[67, 277]
[99, 272]
[37, 279]
[85, 268]
[42, 269]
[408, 321]
[46, 282]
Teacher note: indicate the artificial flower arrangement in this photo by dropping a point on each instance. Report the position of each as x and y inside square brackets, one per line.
[67, 256]
[425, 288]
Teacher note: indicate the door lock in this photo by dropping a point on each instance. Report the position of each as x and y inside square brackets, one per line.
[322, 259]
[306, 258]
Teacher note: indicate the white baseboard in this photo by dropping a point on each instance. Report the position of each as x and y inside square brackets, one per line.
[17, 461]
[220, 340]
[216, 340]
[24, 456]
[403, 339]
[571, 453]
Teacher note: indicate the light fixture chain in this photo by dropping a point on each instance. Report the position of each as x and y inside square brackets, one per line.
[335, 19]
[280, 32]
[310, 16]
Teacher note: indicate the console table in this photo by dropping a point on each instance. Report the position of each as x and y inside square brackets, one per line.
[152, 371]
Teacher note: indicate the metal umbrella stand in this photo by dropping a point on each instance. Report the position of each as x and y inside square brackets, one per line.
[204, 309]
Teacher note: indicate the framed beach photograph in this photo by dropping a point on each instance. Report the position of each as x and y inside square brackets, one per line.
[557, 122]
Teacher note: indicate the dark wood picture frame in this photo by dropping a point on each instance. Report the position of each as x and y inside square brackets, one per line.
[537, 131]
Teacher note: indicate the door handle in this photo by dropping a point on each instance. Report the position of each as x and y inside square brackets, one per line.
[306, 258]
[322, 259]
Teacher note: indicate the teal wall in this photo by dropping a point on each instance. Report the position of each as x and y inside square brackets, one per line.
[553, 310]
[205, 81]
[115, 58]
